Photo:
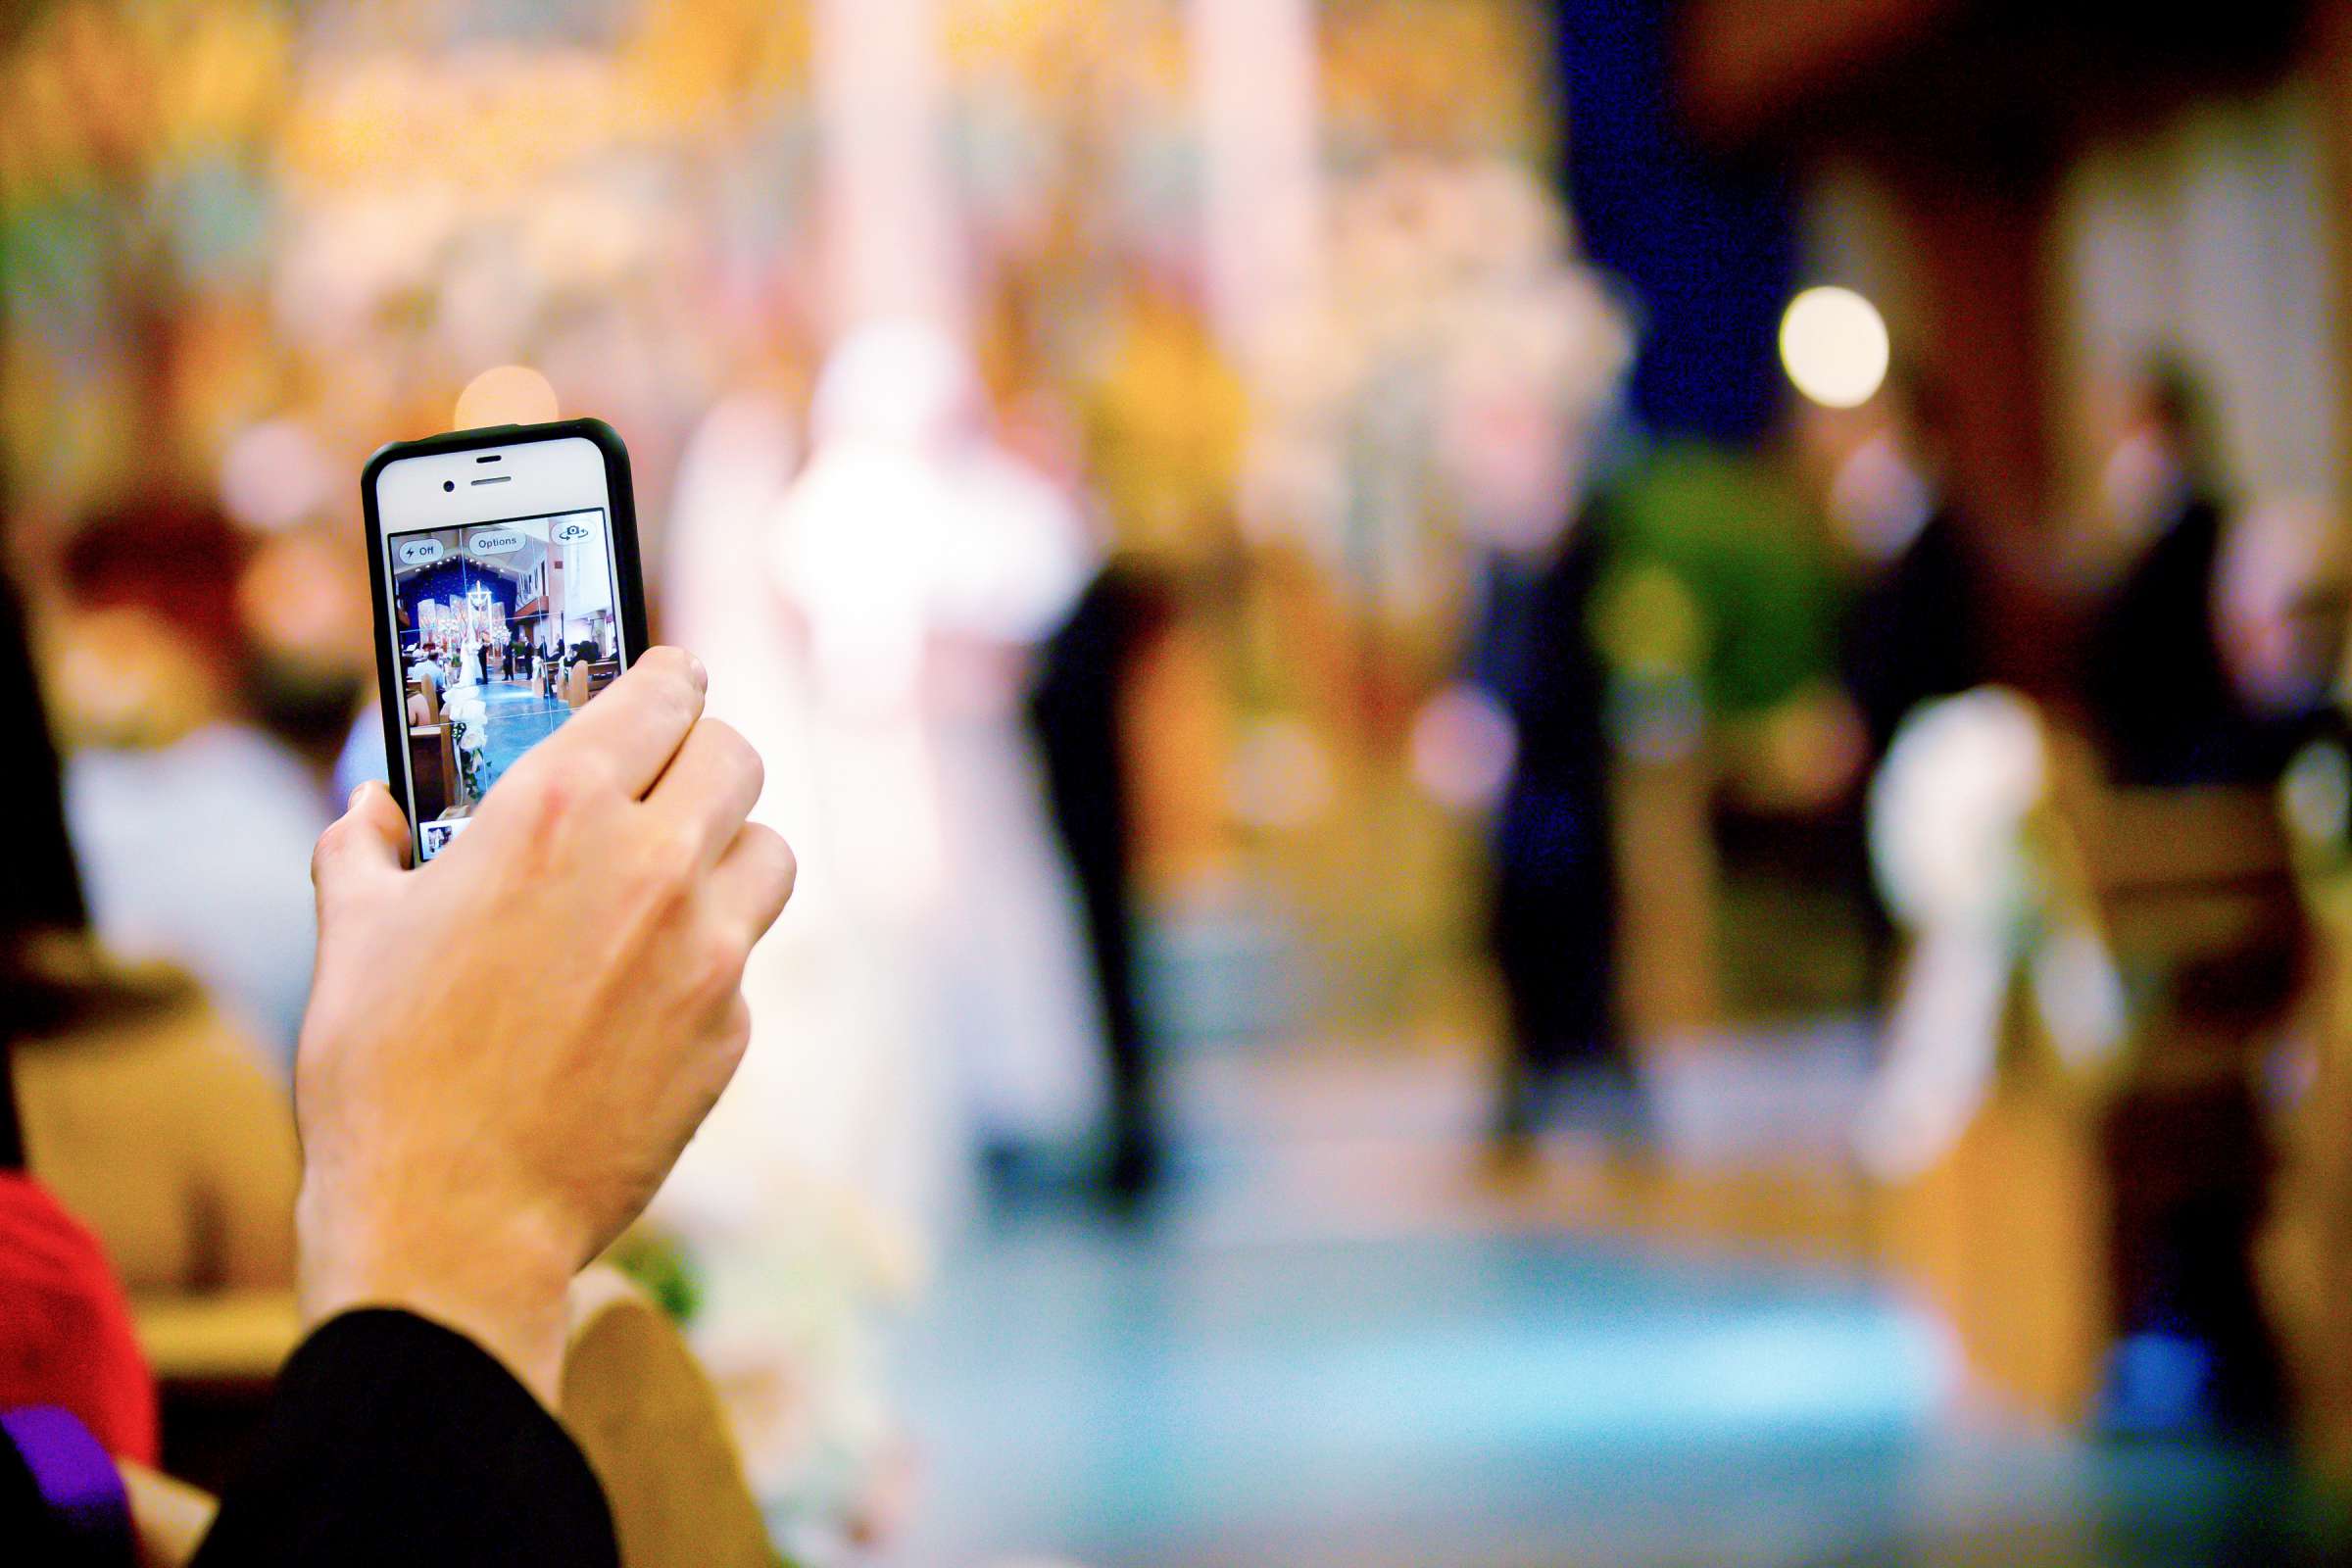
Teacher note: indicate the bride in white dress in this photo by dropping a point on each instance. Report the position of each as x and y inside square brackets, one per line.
[933, 968]
[927, 565]
[864, 627]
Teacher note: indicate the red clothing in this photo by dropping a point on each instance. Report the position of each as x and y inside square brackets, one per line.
[65, 1327]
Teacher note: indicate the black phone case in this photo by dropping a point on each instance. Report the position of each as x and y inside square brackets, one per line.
[627, 566]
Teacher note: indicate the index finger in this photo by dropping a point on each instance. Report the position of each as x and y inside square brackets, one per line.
[636, 724]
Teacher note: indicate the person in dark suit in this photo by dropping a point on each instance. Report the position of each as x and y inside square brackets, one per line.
[2160, 694]
[1519, 434]
[449, 1194]
[1552, 917]
[1076, 708]
[1913, 624]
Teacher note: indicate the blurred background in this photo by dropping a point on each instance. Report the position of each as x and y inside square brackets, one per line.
[1571, 776]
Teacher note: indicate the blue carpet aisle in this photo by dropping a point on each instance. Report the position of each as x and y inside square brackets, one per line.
[515, 719]
[1273, 1374]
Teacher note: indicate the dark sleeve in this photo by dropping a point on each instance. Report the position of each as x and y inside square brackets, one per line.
[1913, 635]
[394, 1441]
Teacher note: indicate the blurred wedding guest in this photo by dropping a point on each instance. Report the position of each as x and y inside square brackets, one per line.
[66, 1334]
[310, 660]
[66, 1338]
[151, 1120]
[193, 825]
[2159, 690]
[1912, 630]
[1080, 707]
[925, 566]
[1519, 431]
[1913, 624]
[147, 1114]
[2279, 601]
[191, 828]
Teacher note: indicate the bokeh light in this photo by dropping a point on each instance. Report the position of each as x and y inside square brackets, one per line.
[510, 394]
[1835, 347]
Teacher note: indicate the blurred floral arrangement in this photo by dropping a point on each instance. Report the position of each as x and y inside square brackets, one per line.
[1446, 270]
[1440, 76]
[467, 716]
[130, 181]
[1981, 870]
[326, 220]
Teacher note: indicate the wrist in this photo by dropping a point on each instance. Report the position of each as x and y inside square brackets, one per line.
[503, 1287]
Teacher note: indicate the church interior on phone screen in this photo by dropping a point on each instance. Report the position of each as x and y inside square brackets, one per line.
[504, 629]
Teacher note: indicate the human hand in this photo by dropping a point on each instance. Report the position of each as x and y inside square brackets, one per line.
[506, 1049]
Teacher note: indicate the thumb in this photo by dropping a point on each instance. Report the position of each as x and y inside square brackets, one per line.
[370, 840]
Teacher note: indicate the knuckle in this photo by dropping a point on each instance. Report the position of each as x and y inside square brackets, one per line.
[669, 678]
[735, 1036]
[679, 698]
[783, 866]
[550, 805]
[668, 866]
[535, 783]
[716, 968]
[743, 758]
[678, 858]
[329, 844]
[735, 955]
[593, 775]
[557, 794]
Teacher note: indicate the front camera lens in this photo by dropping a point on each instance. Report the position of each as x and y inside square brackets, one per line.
[449, 484]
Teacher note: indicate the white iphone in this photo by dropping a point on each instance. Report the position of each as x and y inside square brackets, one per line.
[507, 594]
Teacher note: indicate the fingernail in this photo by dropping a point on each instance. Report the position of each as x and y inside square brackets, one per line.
[702, 676]
[358, 789]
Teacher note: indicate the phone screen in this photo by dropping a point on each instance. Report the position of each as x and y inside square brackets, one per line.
[504, 626]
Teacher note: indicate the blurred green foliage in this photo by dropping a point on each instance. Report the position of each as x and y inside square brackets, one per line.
[659, 1264]
[1720, 573]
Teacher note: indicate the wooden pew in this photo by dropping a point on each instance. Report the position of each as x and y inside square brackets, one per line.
[2198, 891]
[2069, 1192]
[433, 765]
[588, 677]
[651, 1423]
[2307, 1252]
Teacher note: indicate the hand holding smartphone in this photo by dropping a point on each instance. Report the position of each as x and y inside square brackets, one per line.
[508, 593]
[469, 1185]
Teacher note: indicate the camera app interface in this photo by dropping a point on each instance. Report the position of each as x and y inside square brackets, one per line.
[504, 629]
